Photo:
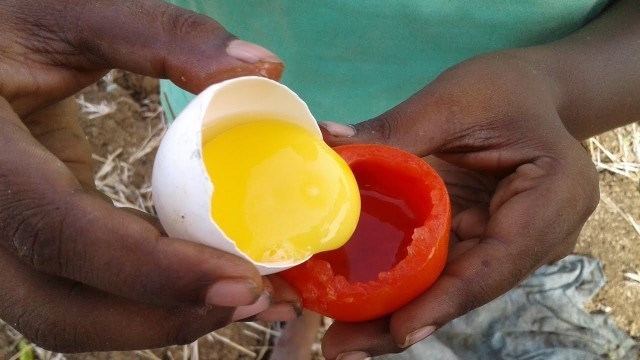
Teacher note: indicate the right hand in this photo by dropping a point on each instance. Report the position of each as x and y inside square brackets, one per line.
[79, 274]
[520, 185]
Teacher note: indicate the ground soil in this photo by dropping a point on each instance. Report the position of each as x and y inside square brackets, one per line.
[607, 236]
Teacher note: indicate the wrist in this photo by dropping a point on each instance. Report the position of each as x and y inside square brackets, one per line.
[594, 71]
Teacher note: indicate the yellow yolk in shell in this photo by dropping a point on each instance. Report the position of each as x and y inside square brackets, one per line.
[280, 193]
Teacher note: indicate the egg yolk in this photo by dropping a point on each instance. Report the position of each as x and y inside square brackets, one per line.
[279, 191]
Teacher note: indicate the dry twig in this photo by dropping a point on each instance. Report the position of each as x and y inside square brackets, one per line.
[213, 336]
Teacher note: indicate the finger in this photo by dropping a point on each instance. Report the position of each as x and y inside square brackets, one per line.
[283, 292]
[358, 340]
[286, 302]
[161, 40]
[466, 188]
[417, 125]
[248, 312]
[470, 223]
[65, 316]
[58, 130]
[426, 134]
[70, 44]
[521, 236]
[297, 338]
[50, 223]
[154, 221]
[454, 116]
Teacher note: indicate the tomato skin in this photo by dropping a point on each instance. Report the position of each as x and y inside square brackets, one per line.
[333, 295]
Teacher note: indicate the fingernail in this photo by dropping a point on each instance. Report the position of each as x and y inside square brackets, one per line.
[353, 355]
[232, 292]
[418, 335]
[338, 130]
[259, 306]
[249, 52]
[280, 312]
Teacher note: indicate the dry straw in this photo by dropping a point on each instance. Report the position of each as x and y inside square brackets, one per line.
[618, 152]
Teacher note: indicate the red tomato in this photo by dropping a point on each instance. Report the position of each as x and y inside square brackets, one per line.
[399, 247]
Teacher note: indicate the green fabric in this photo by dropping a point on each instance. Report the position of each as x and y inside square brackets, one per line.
[352, 60]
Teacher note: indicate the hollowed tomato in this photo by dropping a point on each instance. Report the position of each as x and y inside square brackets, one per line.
[399, 247]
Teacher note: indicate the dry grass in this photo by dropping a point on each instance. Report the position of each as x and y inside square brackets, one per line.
[621, 156]
[186, 352]
[633, 278]
[622, 153]
[114, 172]
[113, 176]
[618, 152]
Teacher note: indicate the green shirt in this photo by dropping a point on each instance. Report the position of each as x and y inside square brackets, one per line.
[351, 60]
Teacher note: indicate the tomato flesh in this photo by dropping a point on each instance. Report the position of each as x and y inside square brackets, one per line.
[398, 249]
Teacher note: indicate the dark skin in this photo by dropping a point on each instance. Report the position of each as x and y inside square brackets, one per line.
[77, 273]
[80, 275]
[502, 129]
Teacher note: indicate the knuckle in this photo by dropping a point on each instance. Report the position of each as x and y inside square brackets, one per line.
[45, 331]
[383, 129]
[388, 128]
[32, 228]
[182, 22]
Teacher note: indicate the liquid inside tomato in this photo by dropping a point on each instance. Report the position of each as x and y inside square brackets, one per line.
[385, 229]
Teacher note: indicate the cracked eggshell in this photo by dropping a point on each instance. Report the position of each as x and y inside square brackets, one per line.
[181, 187]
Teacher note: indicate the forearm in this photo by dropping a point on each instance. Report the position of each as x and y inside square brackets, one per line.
[596, 71]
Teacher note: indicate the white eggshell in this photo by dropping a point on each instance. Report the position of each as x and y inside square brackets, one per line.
[181, 186]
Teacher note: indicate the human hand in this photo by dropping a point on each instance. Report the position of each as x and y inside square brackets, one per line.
[521, 188]
[77, 273]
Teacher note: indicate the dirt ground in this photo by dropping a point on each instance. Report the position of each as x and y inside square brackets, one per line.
[123, 121]
[609, 237]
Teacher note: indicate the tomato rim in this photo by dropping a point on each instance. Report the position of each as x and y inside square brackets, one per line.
[333, 295]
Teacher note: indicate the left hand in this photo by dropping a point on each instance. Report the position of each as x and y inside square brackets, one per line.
[521, 188]
[79, 274]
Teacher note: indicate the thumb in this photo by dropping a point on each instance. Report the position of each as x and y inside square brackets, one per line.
[412, 126]
[161, 40]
